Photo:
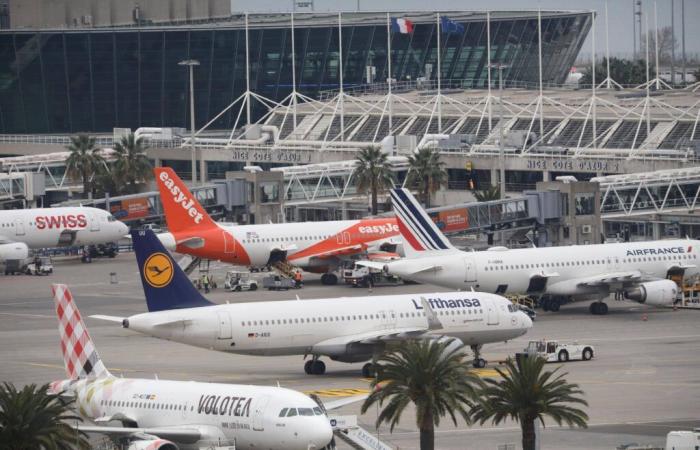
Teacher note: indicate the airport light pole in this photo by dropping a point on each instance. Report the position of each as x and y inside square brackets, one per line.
[191, 63]
[501, 151]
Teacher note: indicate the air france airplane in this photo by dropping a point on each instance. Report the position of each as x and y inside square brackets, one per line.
[346, 329]
[635, 271]
[172, 415]
[317, 247]
[24, 229]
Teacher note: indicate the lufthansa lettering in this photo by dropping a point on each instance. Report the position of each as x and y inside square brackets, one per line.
[439, 303]
[224, 405]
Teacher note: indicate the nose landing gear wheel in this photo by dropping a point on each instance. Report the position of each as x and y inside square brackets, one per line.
[479, 363]
[598, 308]
[368, 370]
[329, 279]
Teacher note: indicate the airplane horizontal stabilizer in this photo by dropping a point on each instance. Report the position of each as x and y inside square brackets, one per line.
[107, 318]
[330, 406]
[371, 264]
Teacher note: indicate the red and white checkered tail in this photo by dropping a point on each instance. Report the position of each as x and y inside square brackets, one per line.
[79, 354]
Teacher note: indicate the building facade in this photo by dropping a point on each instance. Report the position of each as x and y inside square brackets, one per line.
[72, 80]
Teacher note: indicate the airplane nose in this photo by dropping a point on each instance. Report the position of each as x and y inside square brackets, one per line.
[321, 435]
[525, 320]
[123, 228]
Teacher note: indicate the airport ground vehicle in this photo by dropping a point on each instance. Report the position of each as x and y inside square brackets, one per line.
[279, 283]
[239, 281]
[683, 440]
[554, 351]
[41, 265]
[15, 266]
[356, 275]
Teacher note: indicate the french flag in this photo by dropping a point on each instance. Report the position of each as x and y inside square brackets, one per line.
[403, 26]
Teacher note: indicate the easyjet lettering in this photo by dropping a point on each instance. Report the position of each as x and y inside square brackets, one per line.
[379, 229]
[65, 221]
[180, 198]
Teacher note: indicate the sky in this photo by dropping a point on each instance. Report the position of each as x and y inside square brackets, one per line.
[620, 15]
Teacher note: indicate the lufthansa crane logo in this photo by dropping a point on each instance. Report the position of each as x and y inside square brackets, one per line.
[158, 270]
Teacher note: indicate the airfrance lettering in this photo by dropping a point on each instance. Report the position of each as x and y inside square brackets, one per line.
[655, 251]
[439, 303]
[224, 406]
[180, 198]
[380, 229]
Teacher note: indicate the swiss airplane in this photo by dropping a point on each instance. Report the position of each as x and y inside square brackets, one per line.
[635, 271]
[345, 329]
[24, 229]
[170, 415]
[317, 247]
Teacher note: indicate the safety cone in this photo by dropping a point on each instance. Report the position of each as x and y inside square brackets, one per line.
[644, 317]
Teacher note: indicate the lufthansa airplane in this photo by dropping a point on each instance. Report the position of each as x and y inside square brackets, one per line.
[638, 271]
[171, 415]
[345, 329]
[24, 229]
[318, 247]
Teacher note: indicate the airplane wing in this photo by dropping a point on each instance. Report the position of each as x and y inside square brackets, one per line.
[418, 268]
[343, 251]
[192, 242]
[344, 401]
[179, 435]
[372, 337]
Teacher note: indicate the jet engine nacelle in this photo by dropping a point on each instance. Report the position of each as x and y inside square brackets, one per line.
[152, 444]
[453, 345]
[656, 293]
[14, 250]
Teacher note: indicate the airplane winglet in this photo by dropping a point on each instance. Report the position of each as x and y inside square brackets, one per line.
[433, 321]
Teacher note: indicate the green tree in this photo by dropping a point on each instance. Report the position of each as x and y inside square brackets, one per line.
[429, 373]
[623, 71]
[527, 393]
[131, 165]
[426, 173]
[32, 418]
[373, 173]
[84, 160]
[106, 182]
[488, 194]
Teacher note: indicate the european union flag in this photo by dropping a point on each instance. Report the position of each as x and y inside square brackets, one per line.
[450, 26]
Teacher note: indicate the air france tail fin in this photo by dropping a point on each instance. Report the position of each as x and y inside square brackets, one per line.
[182, 210]
[80, 356]
[416, 227]
[166, 286]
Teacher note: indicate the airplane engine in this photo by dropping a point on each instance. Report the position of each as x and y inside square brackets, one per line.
[656, 293]
[14, 250]
[454, 344]
[152, 444]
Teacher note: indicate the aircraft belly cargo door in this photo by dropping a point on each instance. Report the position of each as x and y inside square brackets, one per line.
[491, 315]
[224, 325]
[259, 414]
[469, 270]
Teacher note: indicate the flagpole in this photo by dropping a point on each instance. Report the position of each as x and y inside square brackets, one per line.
[340, 78]
[388, 63]
[439, 69]
[593, 86]
[488, 51]
[294, 76]
[539, 59]
[247, 71]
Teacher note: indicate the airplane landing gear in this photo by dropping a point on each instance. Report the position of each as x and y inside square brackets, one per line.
[314, 367]
[550, 303]
[478, 361]
[329, 279]
[598, 308]
[368, 371]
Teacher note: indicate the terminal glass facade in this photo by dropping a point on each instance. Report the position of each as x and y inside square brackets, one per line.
[67, 81]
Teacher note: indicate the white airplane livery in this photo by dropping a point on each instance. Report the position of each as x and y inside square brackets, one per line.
[24, 229]
[156, 414]
[317, 247]
[344, 329]
[637, 271]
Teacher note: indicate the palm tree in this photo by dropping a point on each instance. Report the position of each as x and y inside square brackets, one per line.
[84, 160]
[373, 173]
[131, 164]
[488, 194]
[527, 393]
[431, 374]
[426, 173]
[34, 419]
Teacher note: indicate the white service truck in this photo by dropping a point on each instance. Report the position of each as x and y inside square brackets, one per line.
[553, 351]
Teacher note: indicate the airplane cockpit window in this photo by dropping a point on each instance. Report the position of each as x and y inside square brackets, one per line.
[306, 412]
[317, 411]
[111, 218]
[292, 412]
[283, 413]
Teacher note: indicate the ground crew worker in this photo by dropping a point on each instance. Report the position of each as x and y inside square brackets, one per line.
[297, 278]
[205, 282]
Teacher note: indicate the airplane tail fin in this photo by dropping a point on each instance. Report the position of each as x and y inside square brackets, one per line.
[80, 356]
[182, 210]
[416, 227]
[165, 284]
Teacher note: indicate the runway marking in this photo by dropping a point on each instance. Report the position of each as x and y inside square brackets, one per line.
[39, 316]
[343, 392]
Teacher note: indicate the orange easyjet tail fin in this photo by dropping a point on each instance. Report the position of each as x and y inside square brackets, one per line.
[182, 210]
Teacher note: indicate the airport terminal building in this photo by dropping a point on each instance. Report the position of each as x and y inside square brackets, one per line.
[68, 80]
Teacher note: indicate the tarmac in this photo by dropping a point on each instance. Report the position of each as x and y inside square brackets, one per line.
[642, 383]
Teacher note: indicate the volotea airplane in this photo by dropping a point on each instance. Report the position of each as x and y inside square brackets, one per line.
[345, 329]
[318, 247]
[24, 229]
[637, 271]
[170, 415]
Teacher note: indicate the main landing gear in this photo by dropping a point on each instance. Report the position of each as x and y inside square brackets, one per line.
[368, 371]
[550, 303]
[598, 308]
[314, 366]
[478, 362]
[329, 279]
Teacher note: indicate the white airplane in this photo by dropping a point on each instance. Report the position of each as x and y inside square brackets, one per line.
[170, 415]
[24, 229]
[634, 271]
[345, 329]
[317, 247]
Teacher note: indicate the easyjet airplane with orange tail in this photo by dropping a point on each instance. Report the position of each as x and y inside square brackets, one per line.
[318, 247]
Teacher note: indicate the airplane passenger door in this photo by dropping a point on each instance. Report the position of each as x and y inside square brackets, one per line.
[469, 269]
[224, 325]
[229, 242]
[491, 314]
[19, 227]
[94, 223]
[259, 413]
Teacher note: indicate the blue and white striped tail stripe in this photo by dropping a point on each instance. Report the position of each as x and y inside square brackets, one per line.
[422, 228]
